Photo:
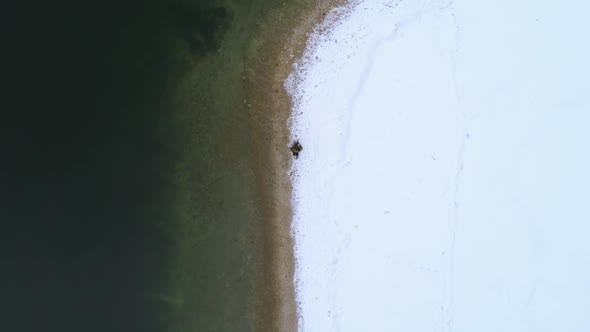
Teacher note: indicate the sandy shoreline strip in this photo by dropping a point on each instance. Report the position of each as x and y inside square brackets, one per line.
[283, 40]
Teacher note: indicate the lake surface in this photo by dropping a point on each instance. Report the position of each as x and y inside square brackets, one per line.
[126, 170]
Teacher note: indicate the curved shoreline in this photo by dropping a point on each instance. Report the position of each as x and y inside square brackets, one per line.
[284, 38]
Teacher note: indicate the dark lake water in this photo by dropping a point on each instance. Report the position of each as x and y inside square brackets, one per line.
[125, 205]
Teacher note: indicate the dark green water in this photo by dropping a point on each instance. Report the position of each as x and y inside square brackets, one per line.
[125, 170]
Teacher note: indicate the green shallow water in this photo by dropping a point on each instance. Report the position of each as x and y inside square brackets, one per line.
[127, 174]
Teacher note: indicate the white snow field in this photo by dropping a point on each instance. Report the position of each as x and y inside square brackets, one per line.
[444, 182]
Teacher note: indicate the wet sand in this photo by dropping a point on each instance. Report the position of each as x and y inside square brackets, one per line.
[233, 262]
[283, 39]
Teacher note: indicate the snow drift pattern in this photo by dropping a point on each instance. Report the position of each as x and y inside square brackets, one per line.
[443, 183]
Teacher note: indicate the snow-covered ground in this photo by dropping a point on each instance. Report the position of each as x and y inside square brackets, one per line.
[444, 182]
